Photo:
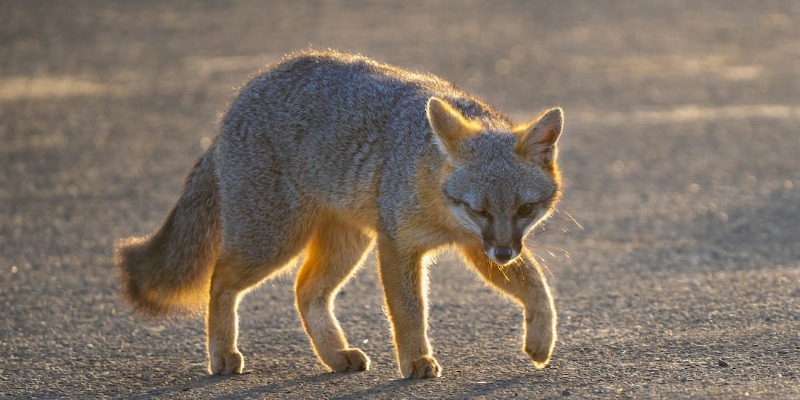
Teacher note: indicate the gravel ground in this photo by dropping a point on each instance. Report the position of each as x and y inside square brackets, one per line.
[675, 257]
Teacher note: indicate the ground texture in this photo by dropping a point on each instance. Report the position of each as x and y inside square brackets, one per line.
[681, 156]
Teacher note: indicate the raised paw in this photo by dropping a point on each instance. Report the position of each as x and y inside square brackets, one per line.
[226, 363]
[351, 359]
[539, 355]
[423, 368]
[540, 339]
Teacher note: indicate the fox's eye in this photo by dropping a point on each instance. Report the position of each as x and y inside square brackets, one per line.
[481, 213]
[474, 211]
[526, 210]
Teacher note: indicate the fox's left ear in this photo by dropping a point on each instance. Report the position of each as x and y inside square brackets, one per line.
[537, 140]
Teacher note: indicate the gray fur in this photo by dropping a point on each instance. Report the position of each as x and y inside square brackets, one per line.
[331, 153]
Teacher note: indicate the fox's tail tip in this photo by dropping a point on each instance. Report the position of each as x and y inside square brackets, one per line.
[135, 277]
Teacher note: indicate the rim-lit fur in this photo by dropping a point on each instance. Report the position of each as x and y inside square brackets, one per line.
[170, 271]
[327, 155]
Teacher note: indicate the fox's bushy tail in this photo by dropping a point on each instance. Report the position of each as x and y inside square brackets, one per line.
[170, 270]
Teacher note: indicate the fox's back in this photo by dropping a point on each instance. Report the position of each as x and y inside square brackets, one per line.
[326, 125]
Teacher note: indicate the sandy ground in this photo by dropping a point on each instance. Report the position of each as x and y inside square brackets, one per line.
[681, 155]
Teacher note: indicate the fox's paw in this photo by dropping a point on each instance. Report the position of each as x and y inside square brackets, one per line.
[351, 359]
[423, 368]
[539, 355]
[539, 342]
[226, 363]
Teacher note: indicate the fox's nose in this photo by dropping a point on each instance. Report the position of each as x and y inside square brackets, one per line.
[503, 254]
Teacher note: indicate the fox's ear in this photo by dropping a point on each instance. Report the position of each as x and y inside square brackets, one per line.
[537, 140]
[449, 126]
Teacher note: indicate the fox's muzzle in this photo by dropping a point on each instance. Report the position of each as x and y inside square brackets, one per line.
[502, 241]
[502, 254]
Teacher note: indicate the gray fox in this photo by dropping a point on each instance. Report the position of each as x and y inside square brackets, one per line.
[324, 155]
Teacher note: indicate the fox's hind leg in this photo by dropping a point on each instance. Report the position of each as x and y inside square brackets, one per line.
[232, 278]
[334, 253]
[222, 321]
[235, 273]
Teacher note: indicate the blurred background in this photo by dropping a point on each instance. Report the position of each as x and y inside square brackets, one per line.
[674, 257]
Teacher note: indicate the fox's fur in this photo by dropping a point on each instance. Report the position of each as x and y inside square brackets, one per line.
[327, 154]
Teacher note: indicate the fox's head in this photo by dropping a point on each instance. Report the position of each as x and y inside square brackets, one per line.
[501, 182]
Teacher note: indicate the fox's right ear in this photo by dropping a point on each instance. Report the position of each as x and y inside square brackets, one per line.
[449, 127]
[537, 141]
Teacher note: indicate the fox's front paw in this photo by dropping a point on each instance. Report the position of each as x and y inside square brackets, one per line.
[226, 363]
[540, 339]
[351, 359]
[423, 368]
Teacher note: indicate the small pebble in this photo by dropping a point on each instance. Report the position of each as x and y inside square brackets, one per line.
[722, 363]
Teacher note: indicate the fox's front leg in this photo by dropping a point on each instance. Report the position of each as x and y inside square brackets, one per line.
[404, 284]
[523, 280]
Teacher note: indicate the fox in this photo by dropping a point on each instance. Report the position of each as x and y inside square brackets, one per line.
[325, 155]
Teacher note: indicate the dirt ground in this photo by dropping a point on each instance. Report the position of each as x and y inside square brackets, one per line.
[675, 257]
